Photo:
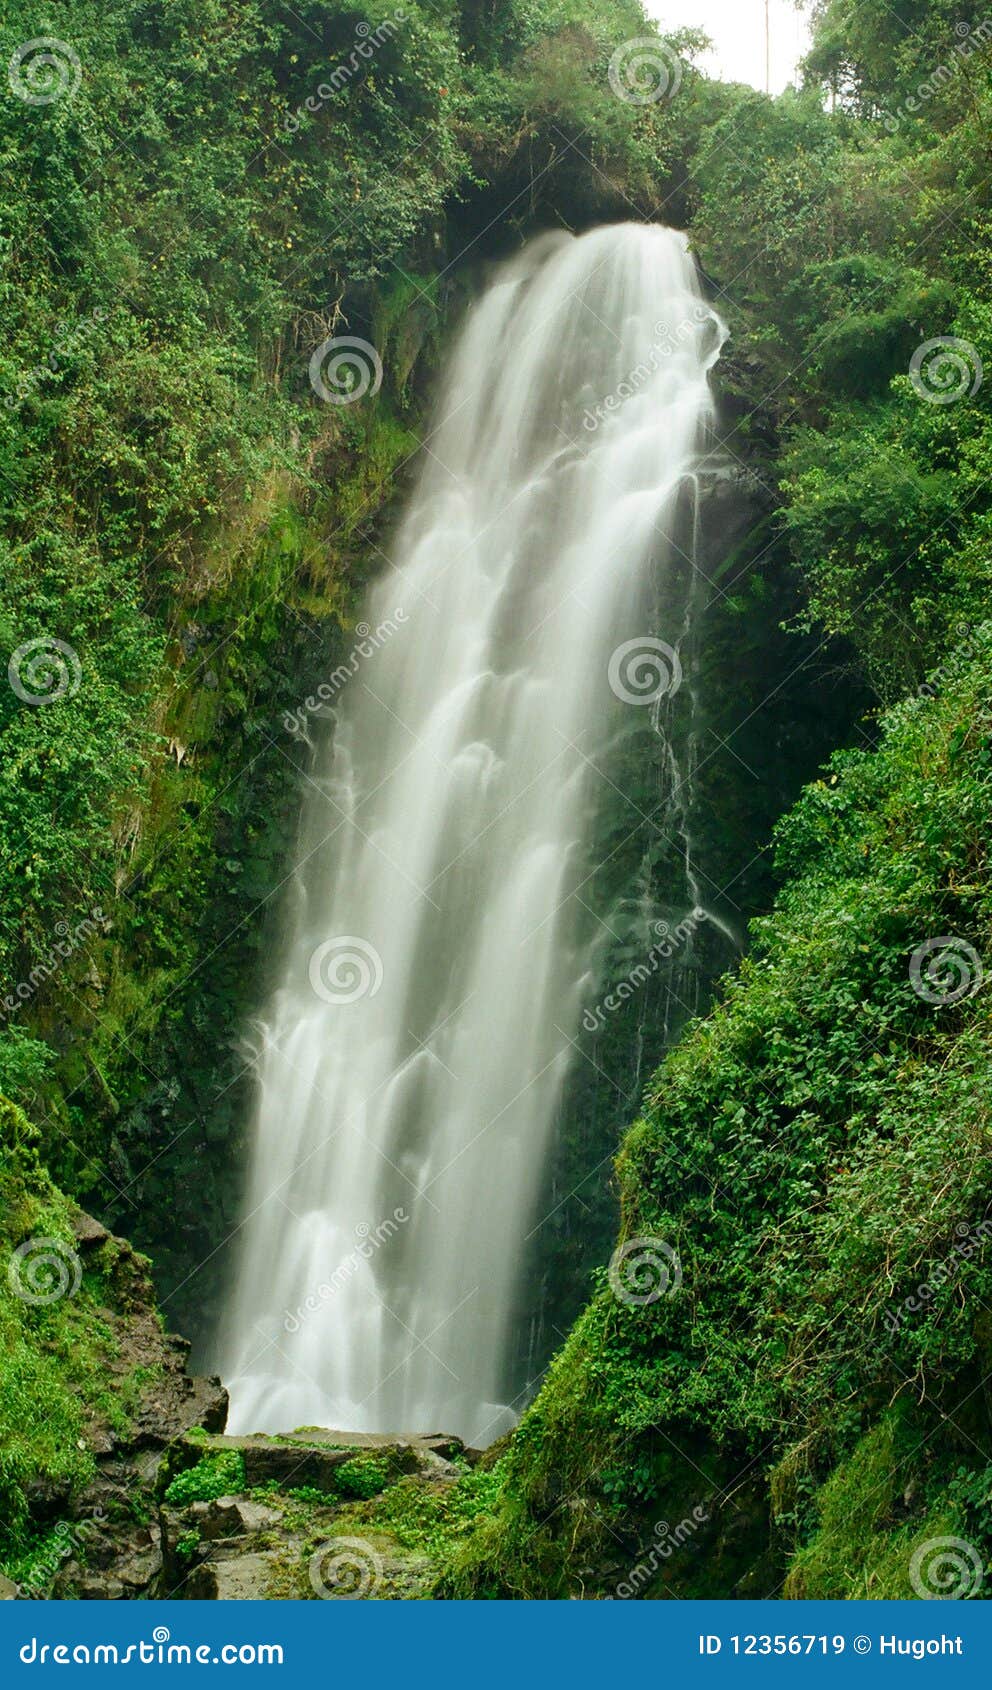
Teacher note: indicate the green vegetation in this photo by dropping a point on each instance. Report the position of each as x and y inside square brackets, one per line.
[365, 1476]
[57, 1381]
[187, 1545]
[434, 1519]
[221, 1473]
[814, 1152]
[188, 529]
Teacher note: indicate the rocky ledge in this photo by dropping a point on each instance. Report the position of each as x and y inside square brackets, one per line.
[302, 1523]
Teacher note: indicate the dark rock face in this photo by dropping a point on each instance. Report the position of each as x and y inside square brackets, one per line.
[178, 1400]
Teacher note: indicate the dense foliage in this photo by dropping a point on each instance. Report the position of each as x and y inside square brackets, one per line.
[812, 1154]
[184, 530]
[64, 1378]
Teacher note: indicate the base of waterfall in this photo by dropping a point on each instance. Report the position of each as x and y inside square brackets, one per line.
[258, 1403]
[313, 1455]
[301, 1518]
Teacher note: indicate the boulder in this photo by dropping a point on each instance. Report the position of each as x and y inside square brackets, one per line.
[140, 1562]
[233, 1516]
[96, 1587]
[246, 1578]
[88, 1232]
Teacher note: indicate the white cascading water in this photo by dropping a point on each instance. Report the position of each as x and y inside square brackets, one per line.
[440, 951]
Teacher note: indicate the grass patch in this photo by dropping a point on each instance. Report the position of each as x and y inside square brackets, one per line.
[432, 1518]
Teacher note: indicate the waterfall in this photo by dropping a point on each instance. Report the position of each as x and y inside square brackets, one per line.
[440, 948]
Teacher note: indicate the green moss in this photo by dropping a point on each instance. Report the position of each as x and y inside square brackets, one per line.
[56, 1343]
[876, 1511]
[425, 1516]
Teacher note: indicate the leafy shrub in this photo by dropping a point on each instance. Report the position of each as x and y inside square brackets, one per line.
[365, 1476]
[221, 1473]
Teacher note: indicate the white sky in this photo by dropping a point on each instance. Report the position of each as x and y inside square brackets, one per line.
[737, 29]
